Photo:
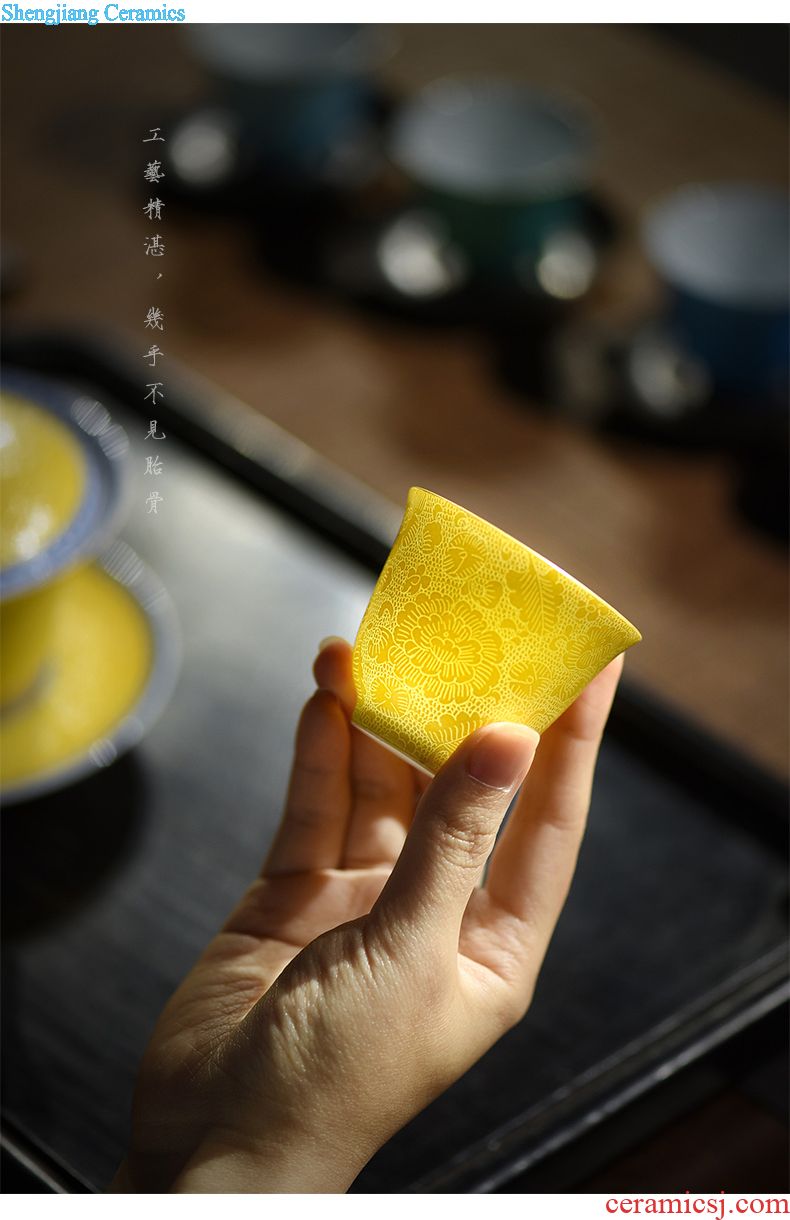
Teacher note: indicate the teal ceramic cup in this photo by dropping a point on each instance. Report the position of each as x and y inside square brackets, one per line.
[504, 165]
[296, 90]
[722, 251]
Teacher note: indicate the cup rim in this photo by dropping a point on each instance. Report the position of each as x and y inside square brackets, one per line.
[556, 567]
[366, 47]
[668, 234]
[389, 746]
[567, 174]
[106, 496]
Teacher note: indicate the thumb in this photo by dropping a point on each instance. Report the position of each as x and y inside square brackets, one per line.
[454, 829]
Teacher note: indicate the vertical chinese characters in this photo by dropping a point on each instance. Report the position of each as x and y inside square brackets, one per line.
[154, 319]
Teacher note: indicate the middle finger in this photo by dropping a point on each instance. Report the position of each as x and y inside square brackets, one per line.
[383, 786]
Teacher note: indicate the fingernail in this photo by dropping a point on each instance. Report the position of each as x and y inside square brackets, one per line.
[330, 639]
[502, 754]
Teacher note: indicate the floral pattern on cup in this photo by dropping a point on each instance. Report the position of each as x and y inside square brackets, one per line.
[390, 696]
[466, 626]
[446, 649]
[529, 677]
[536, 595]
[451, 730]
[464, 555]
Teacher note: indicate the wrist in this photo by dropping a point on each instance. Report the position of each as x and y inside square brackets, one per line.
[287, 1165]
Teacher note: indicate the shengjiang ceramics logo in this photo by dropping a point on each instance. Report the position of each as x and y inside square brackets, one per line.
[61, 14]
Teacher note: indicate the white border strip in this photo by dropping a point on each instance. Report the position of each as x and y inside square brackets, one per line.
[126, 12]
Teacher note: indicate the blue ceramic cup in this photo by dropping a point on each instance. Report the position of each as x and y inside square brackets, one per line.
[295, 90]
[723, 252]
[504, 165]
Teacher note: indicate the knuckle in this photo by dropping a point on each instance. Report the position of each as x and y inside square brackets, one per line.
[252, 917]
[372, 790]
[306, 816]
[464, 841]
[315, 772]
[359, 860]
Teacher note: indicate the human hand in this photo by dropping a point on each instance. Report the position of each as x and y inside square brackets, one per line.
[367, 968]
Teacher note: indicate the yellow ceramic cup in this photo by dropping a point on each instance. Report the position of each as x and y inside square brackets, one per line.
[42, 483]
[466, 626]
[25, 632]
[42, 478]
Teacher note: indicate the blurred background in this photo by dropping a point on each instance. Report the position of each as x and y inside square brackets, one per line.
[539, 269]
[679, 531]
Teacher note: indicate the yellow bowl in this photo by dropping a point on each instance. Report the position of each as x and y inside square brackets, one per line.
[25, 638]
[42, 484]
[465, 627]
[110, 669]
[62, 479]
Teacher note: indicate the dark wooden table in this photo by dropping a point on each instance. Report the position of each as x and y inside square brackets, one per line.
[655, 532]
